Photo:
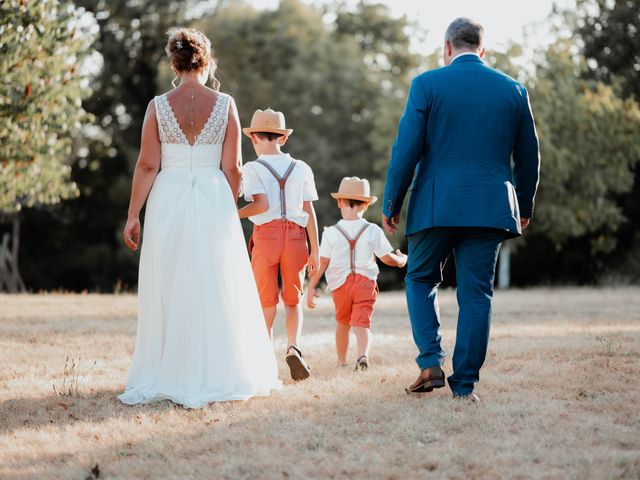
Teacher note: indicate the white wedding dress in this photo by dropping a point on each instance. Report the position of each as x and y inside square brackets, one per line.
[201, 334]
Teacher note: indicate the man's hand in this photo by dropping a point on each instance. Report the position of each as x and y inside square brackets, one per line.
[131, 233]
[524, 223]
[390, 224]
[312, 294]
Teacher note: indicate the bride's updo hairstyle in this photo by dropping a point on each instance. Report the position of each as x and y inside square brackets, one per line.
[190, 51]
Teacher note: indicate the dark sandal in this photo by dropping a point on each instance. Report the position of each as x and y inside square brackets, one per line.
[298, 367]
[362, 363]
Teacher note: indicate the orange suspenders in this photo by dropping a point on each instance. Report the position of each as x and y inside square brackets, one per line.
[281, 181]
[352, 243]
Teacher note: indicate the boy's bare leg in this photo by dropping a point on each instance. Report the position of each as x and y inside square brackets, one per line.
[293, 323]
[269, 317]
[363, 336]
[342, 342]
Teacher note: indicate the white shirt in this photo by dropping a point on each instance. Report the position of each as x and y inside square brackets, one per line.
[465, 53]
[300, 187]
[336, 248]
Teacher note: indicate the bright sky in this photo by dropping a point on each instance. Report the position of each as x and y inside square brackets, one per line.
[503, 20]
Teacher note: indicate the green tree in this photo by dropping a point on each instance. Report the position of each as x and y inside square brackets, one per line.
[590, 142]
[609, 32]
[42, 49]
[84, 248]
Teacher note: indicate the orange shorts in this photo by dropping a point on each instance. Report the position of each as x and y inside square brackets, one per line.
[354, 301]
[279, 246]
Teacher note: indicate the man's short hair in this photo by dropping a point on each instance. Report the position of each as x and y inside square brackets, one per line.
[464, 33]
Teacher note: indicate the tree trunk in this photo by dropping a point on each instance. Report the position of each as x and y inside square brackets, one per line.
[10, 278]
[504, 267]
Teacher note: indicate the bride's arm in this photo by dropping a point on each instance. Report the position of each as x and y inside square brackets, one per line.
[231, 162]
[143, 177]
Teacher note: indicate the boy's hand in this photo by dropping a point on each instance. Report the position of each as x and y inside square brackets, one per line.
[402, 258]
[314, 262]
[312, 294]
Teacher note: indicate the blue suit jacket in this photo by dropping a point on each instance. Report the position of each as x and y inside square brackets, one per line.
[461, 126]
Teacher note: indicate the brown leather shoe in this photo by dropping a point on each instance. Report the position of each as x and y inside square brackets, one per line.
[429, 378]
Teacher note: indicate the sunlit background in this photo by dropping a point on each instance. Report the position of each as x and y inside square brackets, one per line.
[78, 75]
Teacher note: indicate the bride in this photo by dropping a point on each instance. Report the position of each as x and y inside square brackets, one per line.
[201, 335]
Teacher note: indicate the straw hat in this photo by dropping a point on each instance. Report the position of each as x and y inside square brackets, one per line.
[267, 121]
[354, 188]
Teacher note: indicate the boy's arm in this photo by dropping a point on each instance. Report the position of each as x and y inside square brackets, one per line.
[314, 280]
[312, 232]
[384, 251]
[397, 259]
[259, 205]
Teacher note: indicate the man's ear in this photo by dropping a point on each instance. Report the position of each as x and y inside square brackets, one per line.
[448, 48]
[282, 140]
[254, 139]
[482, 52]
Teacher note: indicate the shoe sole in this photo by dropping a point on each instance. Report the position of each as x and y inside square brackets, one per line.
[299, 371]
[426, 387]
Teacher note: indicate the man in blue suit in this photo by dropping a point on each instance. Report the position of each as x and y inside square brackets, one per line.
[467, 149]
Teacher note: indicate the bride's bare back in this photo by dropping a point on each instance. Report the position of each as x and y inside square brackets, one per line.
[192, 105]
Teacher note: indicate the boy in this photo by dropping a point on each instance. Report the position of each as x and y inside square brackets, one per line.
[347, 254]
[281, 191]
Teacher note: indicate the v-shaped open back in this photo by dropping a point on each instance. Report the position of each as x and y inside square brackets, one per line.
[212, 132]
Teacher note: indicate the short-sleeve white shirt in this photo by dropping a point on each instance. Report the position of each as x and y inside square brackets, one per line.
[300, 187]
[334, 246]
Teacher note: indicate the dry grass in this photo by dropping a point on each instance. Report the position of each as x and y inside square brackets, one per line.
[560, 390]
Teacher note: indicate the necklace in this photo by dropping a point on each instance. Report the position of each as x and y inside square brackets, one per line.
[191, 111]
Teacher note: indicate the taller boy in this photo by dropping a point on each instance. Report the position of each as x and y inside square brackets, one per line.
[280, 190]
[461, 127]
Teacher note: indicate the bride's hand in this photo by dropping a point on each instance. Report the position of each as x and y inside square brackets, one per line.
[131, 233]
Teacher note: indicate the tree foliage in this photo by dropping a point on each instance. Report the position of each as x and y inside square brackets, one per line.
[610, 33]
[84, 233]
[590, 143]
[42, 49]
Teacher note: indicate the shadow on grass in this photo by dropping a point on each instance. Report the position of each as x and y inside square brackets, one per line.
[304, 437]
[58, 410]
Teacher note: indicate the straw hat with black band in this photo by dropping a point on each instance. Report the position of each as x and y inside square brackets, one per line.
[267, 121]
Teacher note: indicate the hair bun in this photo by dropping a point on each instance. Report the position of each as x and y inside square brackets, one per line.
[190, 51]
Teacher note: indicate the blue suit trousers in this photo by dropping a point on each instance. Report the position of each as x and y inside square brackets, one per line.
[475, 251]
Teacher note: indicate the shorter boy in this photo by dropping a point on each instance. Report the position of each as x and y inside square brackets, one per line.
[281, 191]
[347, 254]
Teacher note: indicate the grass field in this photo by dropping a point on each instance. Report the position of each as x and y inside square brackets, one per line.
[560, 392]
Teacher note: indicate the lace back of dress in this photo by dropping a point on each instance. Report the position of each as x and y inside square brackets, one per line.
[214, 129]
